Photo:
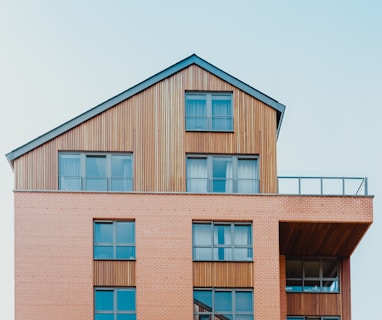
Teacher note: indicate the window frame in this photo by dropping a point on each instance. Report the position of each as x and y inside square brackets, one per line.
[320, 278]
[83, 156]
[212, 246]
[208, 97]
[210, 180]
[115, 312]
[233, 312]
[114, 244]
[313, 318]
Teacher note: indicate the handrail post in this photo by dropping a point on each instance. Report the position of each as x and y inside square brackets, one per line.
[343, 186]
[322, 185]
[299, 185]
[366, 191]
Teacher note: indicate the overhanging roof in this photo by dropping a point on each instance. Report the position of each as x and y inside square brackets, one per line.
[193, 59]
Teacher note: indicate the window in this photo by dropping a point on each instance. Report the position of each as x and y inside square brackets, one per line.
[114, 240]
[114, 304]
[229, 174]
[312, 318]
[231, 304]
[95, 172]
[209, 111]
[312, 275]
[219, 241]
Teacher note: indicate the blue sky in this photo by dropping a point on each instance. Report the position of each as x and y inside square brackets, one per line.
[322, 59]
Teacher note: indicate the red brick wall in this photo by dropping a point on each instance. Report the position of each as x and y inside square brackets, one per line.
[54, 239]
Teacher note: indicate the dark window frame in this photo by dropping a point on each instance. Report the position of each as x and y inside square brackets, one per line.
[217, 250]
[303, 279]
[220, 314]
[115, 311]
[209, 97]
[114, 244]
[111, 180]
[236, 182]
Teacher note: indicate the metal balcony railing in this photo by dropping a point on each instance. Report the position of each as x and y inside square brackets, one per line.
[323, 185]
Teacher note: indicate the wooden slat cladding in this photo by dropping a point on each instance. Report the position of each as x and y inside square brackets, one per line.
[314, 304]
[345, 288]
[113, 273]
[223, 274]
[151, 125]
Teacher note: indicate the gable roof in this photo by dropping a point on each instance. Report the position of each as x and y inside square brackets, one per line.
[193, 59]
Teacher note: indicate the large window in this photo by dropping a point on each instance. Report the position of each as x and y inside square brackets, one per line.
[219, 241]
[209, 111]
[114, 240]
[95, 172]
[216, 303]
[229, 174]
[114, 304]
[312, 318]
[312, 275]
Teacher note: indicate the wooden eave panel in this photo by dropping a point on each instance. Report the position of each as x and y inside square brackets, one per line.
[320, 239]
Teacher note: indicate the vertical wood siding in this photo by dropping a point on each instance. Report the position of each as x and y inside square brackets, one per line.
[151, 124]
[113, 273]
[223, 274]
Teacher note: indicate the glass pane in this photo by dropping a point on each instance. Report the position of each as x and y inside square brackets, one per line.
[94, 184]
[125, 232]
[121, 166]
[96, 166]
[247, 181]
[202, 317]
[242, 235]
[242, 254]
[244, 301]
[222, 234]
[69, 172]
[311, 285]
[103, 252]
[197, 175]
[203, 299]
[312, 269]
[329, 269]
[196, 113]
[294, 269]
[126, 300]
[223, 254]
[202, 234]
[103, 300]
[103, 232]
[126, 317]
[69, 165]
[222, 114]
[121, 184]
[330, 286]
[243, 317]
[222, 175]
[125, 252]
[70, 183]
[202, 254]
[223, 301]
[223, 316]
[104, 317]
[294, 285]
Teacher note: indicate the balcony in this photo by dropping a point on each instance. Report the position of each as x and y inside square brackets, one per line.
[346, 186]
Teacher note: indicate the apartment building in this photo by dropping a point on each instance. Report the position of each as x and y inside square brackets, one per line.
[164, 202]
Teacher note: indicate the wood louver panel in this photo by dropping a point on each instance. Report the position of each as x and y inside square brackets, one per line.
[223, 274]
[113, 273]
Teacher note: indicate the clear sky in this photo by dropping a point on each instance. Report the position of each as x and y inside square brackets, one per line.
[322, 59]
